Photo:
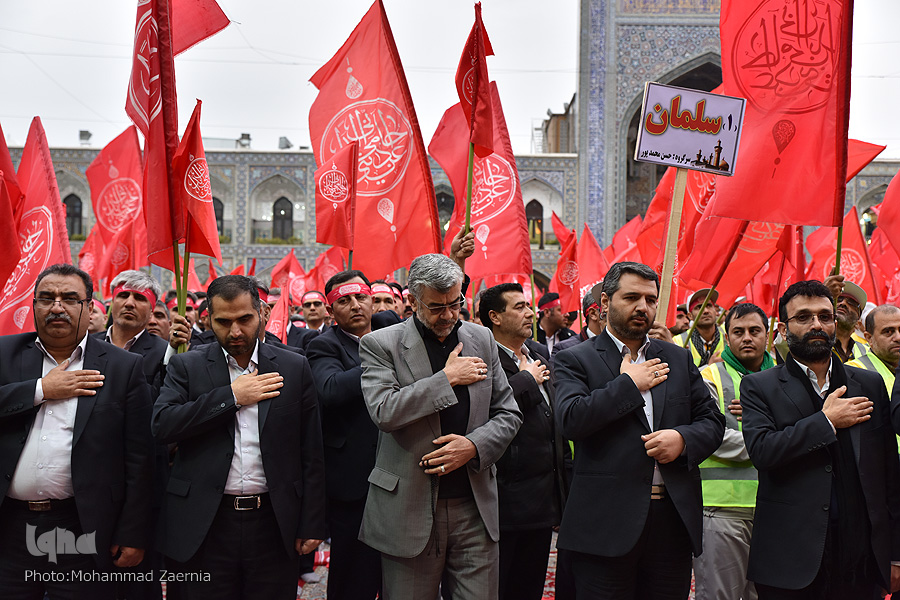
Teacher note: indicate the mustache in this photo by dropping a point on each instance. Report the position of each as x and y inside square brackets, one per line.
[57, 317]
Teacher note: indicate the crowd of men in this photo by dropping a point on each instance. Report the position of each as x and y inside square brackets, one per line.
[439, 455]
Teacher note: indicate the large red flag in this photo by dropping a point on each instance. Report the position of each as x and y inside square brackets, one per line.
[592, 264]
[8, 175]
[152, 107]
[91, 254]
[9, 238]
[855, 263]
[889, 213]
[289, 276]
[653, 227]
[566, 279]
[473, 87]
[363, 97]
[883, 254]
[498, 213]
[336, 197]
[563, 234]
[792, 63]
[115, 178]
[328, 264]
[127, 250]
[43, 240]
[193, 189]
[280, 318]
[193, 21]
[758, 244]
[623, 239]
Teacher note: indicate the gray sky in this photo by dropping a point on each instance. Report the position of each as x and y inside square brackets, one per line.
[69, 63]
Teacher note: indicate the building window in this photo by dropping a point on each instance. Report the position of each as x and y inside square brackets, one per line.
[219, 209]
[73, 214]
[283, 219]
[534, 212]
[444, 206]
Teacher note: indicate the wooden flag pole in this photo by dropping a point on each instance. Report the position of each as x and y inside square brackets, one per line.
[534, 320]
[668, 270]
[469, 188]
[771, 336]
[687, 336]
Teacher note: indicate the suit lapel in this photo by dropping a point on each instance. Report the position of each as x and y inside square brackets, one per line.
[796, 393]
[658, 392]
[416, 357]
[854, 389]
[94, 360]
[350, 346]
[611, 357]
[267, 364]
[470, 348]
[217, 369]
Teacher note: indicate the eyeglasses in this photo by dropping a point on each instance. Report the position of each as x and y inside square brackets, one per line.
[69, 302]
[849, 301]
[437, 309]
[824, 318]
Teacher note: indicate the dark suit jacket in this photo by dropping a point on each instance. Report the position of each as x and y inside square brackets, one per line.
[570, 341]
[196, 409]
[531, 475]
[300, 337]
[349, 434]
[787, 437]
[602, 411]
[152, 349]
[112, 450]
[564, 334]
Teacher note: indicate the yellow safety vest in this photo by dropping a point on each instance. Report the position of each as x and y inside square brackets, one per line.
[695, 354]
[725, 482]
[870, 362]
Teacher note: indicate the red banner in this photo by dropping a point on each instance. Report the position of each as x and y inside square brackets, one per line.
[889, 213]
[566, 280]
[8, 174]
[193, 21]
[289, 276]
[363, 97]
[329, 263]
[280, 318]
[793, 66]
[9, 237]
[592, 264]
[563, 234]
[127, 250]
[502, 244]
[336, 197]
[43, 240]
[91, 254]
[115, 178]
[473, 87]
[855, 263]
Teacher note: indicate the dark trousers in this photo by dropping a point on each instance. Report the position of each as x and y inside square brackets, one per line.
[24, 576]
[657, 568]
[354, 570]
[242, 558]
[523, 563]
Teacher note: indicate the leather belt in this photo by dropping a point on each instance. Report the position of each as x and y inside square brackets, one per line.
[657, 492]
[245, 502]
[41, 505]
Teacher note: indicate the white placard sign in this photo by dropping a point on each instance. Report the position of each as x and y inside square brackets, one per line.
[689, 129]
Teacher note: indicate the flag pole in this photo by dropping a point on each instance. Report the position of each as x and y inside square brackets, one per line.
[771, 336]
[469, 188]
[687, 336]
[534, 320]
[350, 261]
[668, 269]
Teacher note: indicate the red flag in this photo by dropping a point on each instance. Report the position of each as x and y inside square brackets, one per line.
[623, 239]
[193, 282]
[43, 240]
[127, 250]
[280, 318]
[758, 245]
[592, 265]
[289, 276]
[653, 227]
[565, 280]
[193, 21]
[883, 254]
[363, 96]
[498, 213]
[336, 197]
[328, 264]
[238, 270]
[151, 105]
[859, 154]
[191, 175]
[889, 213]
[252, 271]
[855, 263]
[211, 274]
[793, 155]
[563, 234]
[115, 178]
[91, 254]
[473, 87]
[8, 175]
[714, 250]
[9, 238]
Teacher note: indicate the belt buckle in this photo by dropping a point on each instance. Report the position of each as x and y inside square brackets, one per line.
[237, 502]
[657, 492]
[39, 505]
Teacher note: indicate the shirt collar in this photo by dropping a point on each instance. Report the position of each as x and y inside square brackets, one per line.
[254, 358]
[622, 347]
[129, 343]
[510, 352]
[350, 335]
[813, 378]
[77, 353]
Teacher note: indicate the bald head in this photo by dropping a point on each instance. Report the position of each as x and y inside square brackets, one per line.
[883, 333]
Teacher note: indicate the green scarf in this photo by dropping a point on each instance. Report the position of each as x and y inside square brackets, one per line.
[729, 357]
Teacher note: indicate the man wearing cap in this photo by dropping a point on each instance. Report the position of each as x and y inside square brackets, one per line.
[98, 317]
[596, 322]
[642, 422]
[707, 339]
[349, 435]
[883, 336]
[849, 302]
[729, 478]
[552, 324]
[246, 494]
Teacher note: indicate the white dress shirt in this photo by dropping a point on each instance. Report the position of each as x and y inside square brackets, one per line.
[528, 360]
[129, 343]
[246, 475]
[44, 469]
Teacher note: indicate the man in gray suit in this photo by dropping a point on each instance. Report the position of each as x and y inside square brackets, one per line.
[435, 388]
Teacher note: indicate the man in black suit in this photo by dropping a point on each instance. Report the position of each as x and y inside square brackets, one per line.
[75, 449]
[552, 323]
[642, 421]
[827, 522]
[350, 436]
[596, 322]
[531, 478]
[247, 493]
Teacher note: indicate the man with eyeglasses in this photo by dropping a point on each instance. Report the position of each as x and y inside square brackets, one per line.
[826, 523]
[435, 388]
[75, 449]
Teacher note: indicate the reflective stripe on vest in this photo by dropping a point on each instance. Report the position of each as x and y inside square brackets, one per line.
[695, 354]
[726, 482]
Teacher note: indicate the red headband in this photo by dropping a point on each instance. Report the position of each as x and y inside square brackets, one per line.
[100, 306]
[405, 293]
[173, 303]
[145, 293]
[346, 290]
[549, 305]
[263, 296]
[594, 305]
[313, 295]
[381, 288]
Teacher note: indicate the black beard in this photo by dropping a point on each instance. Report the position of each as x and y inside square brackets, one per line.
[620, 324]
[812, 347]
